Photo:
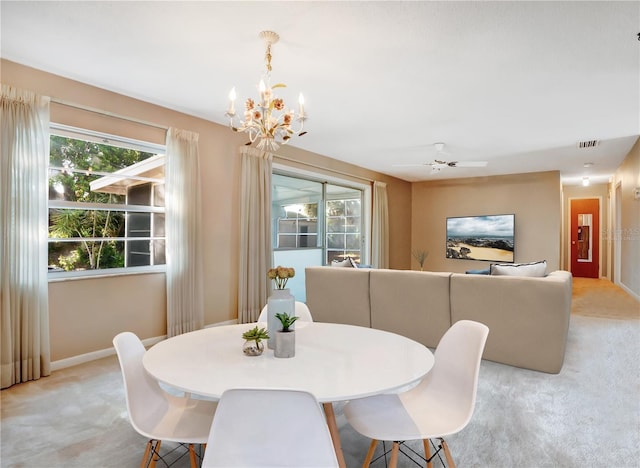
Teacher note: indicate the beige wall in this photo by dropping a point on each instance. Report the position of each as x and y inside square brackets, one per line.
[534, 198]
[600, 191]
[627, 177]
[85, 314]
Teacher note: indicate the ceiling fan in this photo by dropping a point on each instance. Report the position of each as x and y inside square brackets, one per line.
[440, 163]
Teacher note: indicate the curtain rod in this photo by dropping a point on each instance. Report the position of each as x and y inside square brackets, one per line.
[62, 102]
[315, 166]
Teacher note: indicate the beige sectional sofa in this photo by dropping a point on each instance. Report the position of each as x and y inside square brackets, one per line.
[528, 318]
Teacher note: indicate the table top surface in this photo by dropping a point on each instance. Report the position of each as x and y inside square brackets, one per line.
[335, 362]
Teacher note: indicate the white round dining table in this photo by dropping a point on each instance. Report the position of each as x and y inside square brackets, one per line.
[334, 362]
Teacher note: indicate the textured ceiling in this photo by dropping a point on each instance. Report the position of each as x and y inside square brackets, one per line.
[516, 84]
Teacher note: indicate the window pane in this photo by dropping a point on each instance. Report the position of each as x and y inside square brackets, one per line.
[138, 224]
[310, 240]
[159, 257]
[335, 241]
[286, 226]
[335, 208]
[66, 223]
[352, 241]
[308, 226]
[335, 225]
[286, 241]
[352, 208]
[88, 255]
[138, 253]
[353, 224]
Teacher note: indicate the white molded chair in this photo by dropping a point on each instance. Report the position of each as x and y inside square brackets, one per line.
[302, 312]
[153, 412]
[441, 405]
[269, 428]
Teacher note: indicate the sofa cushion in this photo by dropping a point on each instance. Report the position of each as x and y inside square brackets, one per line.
[534, 269]
[411, 303]
[338, 295]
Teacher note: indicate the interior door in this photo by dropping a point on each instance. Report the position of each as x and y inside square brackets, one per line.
[585, 237]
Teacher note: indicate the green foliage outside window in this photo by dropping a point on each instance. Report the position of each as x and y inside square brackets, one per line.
[78, 160]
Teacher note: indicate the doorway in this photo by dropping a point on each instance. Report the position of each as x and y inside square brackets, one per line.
[584, 226]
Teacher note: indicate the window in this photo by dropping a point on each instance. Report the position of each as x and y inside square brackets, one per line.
[106, 203]
[296, 204]
[343, 229]
[299, 226]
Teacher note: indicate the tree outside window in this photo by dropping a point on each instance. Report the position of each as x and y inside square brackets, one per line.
[89, 210]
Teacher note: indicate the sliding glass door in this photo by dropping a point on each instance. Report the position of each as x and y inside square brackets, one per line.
[314, 223]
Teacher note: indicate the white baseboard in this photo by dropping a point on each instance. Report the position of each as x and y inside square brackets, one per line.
[102, 353]
[629, 291]
[95, 355]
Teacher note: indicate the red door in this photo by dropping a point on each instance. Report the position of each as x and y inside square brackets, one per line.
[585, 237]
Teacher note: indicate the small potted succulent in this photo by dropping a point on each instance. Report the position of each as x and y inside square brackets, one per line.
[253, 345]
[285, 346]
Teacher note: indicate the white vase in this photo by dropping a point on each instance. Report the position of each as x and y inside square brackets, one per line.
[281, 301]
[285, 344]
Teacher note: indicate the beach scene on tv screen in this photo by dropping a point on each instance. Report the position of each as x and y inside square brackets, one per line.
[489, 238]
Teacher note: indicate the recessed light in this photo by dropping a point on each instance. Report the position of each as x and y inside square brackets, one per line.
[588, 164]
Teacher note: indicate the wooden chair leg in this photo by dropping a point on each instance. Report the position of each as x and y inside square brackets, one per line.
[372, 448]
[192, 457]
[147, 453]
[427, 452]
[155, 455]
[447, 454]
[393, 462]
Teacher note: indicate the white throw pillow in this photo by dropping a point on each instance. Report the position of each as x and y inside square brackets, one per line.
[535, 269]
[347, 262]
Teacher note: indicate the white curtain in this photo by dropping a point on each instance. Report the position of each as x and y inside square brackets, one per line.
[24, 304]
[255, 233]
[185, 303]
[380, 234]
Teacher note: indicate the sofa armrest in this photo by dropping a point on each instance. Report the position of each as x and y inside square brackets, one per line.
[528, 317]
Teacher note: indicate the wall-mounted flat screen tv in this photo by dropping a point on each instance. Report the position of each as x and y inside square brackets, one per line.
[487, 238]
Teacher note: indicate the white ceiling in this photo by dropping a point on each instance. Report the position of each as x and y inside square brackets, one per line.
[516, 84]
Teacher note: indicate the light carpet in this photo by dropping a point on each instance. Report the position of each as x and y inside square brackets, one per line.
[588, 415]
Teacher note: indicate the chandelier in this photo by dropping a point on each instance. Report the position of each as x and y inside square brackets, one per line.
[267, 119]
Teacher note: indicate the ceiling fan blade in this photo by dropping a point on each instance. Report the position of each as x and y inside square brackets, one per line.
[468, 164]
[411, 165]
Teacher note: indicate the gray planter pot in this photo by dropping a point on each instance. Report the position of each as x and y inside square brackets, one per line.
[285, 344]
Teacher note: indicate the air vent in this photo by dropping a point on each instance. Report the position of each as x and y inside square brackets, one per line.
[588, 144]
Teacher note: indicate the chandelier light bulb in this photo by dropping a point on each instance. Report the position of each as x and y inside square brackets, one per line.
[232, 102]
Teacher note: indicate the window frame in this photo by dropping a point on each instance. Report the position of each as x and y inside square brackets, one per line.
[103, 138]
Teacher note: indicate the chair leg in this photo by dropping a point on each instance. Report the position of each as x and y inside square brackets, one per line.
[393, 462]
[145, 457]
[427, 452]
[192, 457]
[447, 454]
[155, 455]
[372, 448]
